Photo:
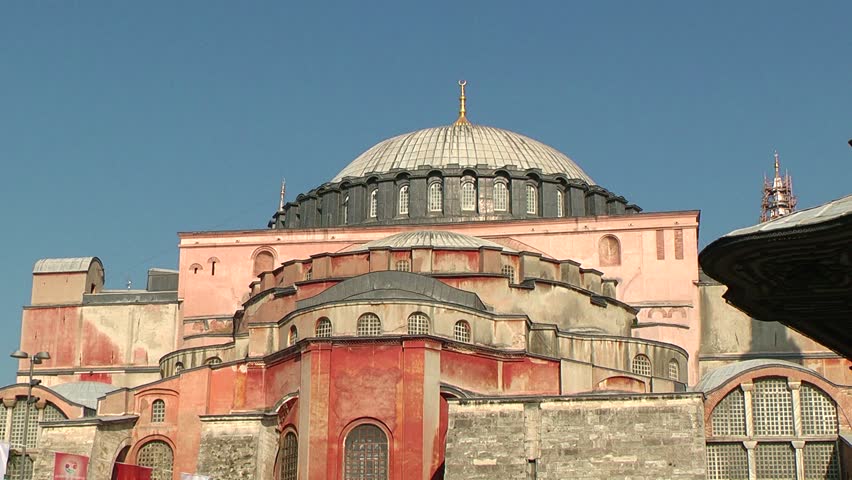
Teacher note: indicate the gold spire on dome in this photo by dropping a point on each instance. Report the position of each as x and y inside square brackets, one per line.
[462, 120]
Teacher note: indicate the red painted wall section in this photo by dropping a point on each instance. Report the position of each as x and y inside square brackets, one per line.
[449, 261]
[282, 379]
[96, 377]
[469, 372]
[222, 381]
[350, 265]
[53, 330]
[531, 376]
[98, 348]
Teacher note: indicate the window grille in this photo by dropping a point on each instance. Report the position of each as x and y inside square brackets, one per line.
[819, 414]
[436, 197]
[641, 365]
[158, 411]
[508, 271]
[158, 456]
[13, 469]
[501, 197]
[418, 324]
[532, 200]
[403, 200]
[560, 204]
[52, 414]
[821, 461]
[374, 203]
[289, 457]
[773, 408]
[323, 328]
[727, 461]
[366, 454]
[403, 266]
[2, 421]
[468, 202]
[18, 415]
[213, 361]
[728, 418]
[369, 325]
[293, 337]
[674, 370]
[775, 461]
[461, 331]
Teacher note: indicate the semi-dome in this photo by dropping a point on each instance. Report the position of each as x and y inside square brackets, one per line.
[462, 144]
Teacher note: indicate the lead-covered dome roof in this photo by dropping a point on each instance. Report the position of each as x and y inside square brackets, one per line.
[463, 145]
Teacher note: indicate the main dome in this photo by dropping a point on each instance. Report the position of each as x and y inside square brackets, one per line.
[464, 145]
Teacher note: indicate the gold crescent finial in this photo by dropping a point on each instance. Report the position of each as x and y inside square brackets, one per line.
[462, 120]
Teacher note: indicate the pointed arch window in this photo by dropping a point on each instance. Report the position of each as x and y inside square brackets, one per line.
[501, 196]
[468, 195]
[403, 200]
[289, 455]
[436, 197]
[366, 454]
[374, 203]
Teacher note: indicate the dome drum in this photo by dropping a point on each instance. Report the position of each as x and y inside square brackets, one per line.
[452, 193]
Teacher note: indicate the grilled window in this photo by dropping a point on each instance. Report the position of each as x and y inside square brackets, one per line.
[728, 418]
[461, 331]
[403, 200]
[501, 197]
[323, 328]
[727, 461]
[773, 408]
[775, 461]
[819, 415]
[19, 414]
[374, 203]
[309, 273]
[674, 370]
[213, 361]
[403, 266]
[369, 325]
[436, 197]
[641, 365]
[289, 457]
[13, 469]
[52, 414]
[158, 411]
[366, 454]
[293, 337]
[468, 200]
[418, 324]
[821, 461]
[157, 455]
[532, 200]
[508, 271]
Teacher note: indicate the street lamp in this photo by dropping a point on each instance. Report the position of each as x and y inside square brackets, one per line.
[34, 360]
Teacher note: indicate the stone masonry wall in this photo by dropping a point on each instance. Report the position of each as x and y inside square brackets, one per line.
[636, 437]
[238, 447]
[76, 438]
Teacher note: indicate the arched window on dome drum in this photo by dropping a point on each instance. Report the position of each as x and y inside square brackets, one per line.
[403, 200]
[293, 337]
[213, 361]
[674, 370]
[501, 196]
[345, 210]
[158, 456]
[369, 325]
[418, 324]
[641, 365]
[468, 191]
[366, 454]
[461, 332]
[532, 200]
[560, 204]
[289, 457]
[436, 197]
[403, 266]
[158, 411]
[323, 329]
[374, 203]
[178, 367]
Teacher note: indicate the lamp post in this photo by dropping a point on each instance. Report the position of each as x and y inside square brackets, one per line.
[34, 359]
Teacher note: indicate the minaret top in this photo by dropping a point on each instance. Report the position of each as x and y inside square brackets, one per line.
[462, 120]
[778, 198]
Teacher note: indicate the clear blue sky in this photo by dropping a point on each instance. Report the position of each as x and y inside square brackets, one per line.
[122, 123]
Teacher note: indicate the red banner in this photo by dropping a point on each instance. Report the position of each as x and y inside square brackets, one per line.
[67, 466]
[125, 471]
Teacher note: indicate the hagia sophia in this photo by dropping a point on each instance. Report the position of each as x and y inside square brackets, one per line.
[458, 302]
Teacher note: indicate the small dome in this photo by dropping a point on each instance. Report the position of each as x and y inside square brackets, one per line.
[431, 239]
[465, 145]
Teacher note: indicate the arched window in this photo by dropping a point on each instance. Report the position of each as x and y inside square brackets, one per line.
[418, 324]
[532, 199]
[213, 261]
[263, 262]
[369, 325]
[641, 365]
[52, 414]
[609, 251]
[195, 268]
[158, 411]
[289, 457]
[403, 266]
[213, 361]
[436, 197]
[461, 331]
[468, 195]
[293, 336]
[19, 415]
[560, 204]
[501, 196]
[403, 200]
[344, 213]
[366, 454]
[178, 367]
[374, 203]
[158, 456]
[323, 329]
[508, 271]
[674, 370]
[770, 405]
[309, 273]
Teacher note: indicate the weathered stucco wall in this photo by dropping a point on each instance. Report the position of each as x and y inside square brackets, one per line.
[619, 437]
[69, 438]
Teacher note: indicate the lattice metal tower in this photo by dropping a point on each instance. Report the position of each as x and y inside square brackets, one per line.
[778, 198]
